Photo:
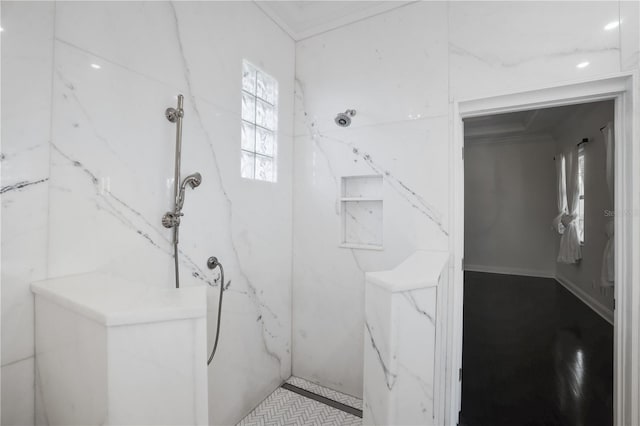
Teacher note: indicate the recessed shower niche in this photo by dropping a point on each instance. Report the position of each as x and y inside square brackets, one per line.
[361, 212]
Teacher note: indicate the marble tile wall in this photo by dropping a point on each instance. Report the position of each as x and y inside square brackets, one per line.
[401, 71]
[502, 47]
[400, 384]
[630, 34]
[400, 95]
[27, 56]
[111, 174]
[403, 362]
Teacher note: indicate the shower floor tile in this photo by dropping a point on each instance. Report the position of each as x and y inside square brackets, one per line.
[284, 407]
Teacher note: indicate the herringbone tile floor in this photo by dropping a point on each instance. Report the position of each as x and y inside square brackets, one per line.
[286, 408]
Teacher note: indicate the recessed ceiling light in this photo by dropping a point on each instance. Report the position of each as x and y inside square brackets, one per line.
[1, 29]
[612, 25]
[95, 66]
[583, 64]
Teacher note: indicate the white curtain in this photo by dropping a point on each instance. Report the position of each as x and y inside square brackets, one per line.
[607, 272]
[570, 250]
[561, 193]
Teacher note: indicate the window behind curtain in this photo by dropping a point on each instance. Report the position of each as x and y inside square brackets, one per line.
[581, 199]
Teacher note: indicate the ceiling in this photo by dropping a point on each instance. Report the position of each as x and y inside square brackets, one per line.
[532, 122]
[303, 19]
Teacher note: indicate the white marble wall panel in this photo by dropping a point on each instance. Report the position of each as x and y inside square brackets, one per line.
[400, 132]
[152, 382]
[18, 392]
[630, 34]
[138, 371]
[71, 367]
[112, 170]
[27, 54]
[363, 222]
[402, 351]
[503, 47]
[400, 357]
[388, 68]
[413, 399]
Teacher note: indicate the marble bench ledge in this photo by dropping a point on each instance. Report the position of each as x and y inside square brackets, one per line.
[112, 300]
[421, 270]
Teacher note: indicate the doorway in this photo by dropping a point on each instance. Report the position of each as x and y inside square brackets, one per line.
[538, 326]
[622, 90]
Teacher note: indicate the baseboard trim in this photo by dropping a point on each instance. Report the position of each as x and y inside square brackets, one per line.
[587, 299]
[510, 271]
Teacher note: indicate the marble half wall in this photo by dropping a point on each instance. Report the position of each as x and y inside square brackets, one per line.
[404, 357]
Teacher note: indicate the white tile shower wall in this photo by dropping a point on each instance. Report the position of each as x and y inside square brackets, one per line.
[392, 69]
[112, 154]
[630, 34]
[630, 60]
[400, 71]
[27, 54]
[502, 47]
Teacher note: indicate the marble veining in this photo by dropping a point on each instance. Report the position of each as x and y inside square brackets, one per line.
[252, 292]
[405, 324]
[390, 377]
[493, 60]
[125, 214]
[414, 304]
[412, 197]
[21, 185]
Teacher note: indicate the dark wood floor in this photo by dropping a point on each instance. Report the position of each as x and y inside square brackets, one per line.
[533, 354]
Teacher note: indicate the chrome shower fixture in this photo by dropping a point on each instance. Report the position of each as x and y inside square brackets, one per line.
[193, 180]
[171, 219]
[343, 119]
[173, 114]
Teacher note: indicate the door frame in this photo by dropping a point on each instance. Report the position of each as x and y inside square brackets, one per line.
[624, 89]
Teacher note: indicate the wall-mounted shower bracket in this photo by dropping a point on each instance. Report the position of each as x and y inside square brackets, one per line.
[170, 220]
[173, 114]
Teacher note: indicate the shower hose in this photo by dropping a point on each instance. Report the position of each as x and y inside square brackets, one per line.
[212, 263]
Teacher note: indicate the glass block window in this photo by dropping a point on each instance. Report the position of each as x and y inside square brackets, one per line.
[259, 124]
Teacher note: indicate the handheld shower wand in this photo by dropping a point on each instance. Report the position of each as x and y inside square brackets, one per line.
[193, 180]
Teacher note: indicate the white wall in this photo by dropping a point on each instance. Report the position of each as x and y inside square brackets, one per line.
[586, 123]
[111, 171]
[509, 205]
[401, 70]
[27, 59]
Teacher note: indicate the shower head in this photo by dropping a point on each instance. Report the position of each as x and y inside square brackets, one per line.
[194, 180]
[343, 119]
